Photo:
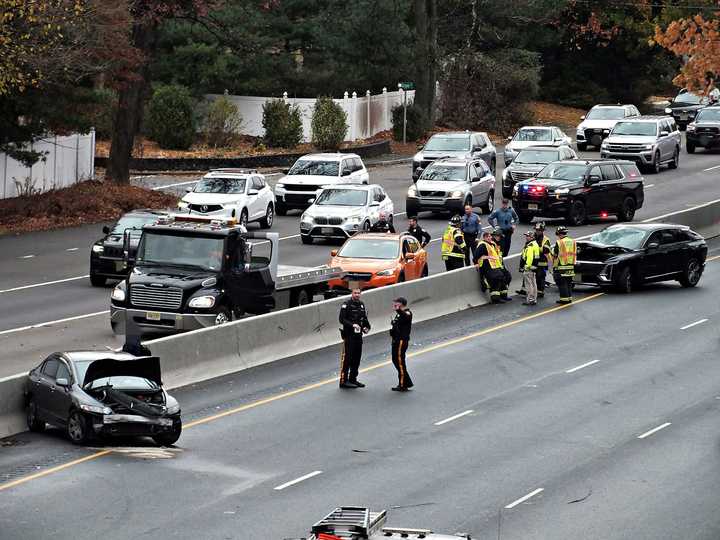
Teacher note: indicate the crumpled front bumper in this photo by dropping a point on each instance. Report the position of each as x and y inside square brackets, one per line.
[134, 424]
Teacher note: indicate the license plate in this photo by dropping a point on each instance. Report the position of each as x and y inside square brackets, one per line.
[532, 206]
[327, 230]
[352, 285]
[152, 316]
[683, 117]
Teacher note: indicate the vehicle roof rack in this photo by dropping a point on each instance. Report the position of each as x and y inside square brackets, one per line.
[351, 522]
[235, 170]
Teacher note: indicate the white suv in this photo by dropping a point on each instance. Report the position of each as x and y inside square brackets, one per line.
[310, 173]
[235, 193]
[598, 123]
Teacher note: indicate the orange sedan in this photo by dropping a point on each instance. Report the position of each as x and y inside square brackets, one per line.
[374, 260]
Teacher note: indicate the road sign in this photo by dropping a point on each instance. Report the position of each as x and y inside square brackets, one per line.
[407, 85]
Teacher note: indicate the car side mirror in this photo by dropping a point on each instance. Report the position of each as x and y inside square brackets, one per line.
[653, 245]
[347, 172]
[188, 189]
[582, 117]
[420, 147]
[375, 203]
[475, 179]
[409, 256]
[416, 175]
[477, 148]
[333, 252]
[593, 179]
[664, 133]
[509, 138]
[286, 171]
[62, 381]
[106, 229]
[253, 192]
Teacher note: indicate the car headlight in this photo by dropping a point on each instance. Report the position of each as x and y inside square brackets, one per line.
[173, 409]
[354, 219]
[182, 205]
[280, 186]
[606, 131]
[648, 147]
[97, 409]
[509, 150]
[668, 110]
[388, 272]
[97, 248]
[516, 188]
[412, 191]
[604, 145]
[562, 191]
[202, 302]
[457, 194]
[118, 293]
[504, 174]
[306, 218]
[691, 127]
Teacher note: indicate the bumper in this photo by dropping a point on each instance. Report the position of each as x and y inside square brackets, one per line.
[225, 212]
[160, 322]
[134, 425]
[108, 267]
[545, 206]
[341, 232]
[296, 199]
[641, 158]
[707, 140]
[343, 285]
[594, 273]
[593, 137]
[437, 204]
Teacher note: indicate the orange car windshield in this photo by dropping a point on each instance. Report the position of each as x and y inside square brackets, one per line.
[370, 249]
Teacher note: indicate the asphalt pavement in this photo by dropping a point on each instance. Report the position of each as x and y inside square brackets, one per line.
[595, 421]
[43, 276]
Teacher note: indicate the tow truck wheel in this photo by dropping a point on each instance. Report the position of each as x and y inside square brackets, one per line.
[77, 428]
[170, 438]
[222, 316]
[33, 421]
[267, 221]
[301, 298]
[97, 281]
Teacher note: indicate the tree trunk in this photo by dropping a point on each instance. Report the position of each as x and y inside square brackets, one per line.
[131, 98]
[426, 56]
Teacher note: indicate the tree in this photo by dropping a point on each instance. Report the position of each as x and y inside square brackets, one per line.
[426, 56]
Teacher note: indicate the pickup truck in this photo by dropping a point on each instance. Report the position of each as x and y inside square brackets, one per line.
[193, 272]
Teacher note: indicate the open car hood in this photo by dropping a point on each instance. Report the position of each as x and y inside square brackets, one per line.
[147, 367]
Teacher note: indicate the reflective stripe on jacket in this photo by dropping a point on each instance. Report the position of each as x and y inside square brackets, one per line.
[494, 255]
[567, 254]
[530, 256]
[453, 243]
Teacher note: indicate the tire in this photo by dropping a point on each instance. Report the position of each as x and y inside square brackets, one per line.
[692, 273]
[267, 221]
[524, 218]
[97, 281]
[690, 147]
[34, 423]
[243, 218]
[168, 439]
[627, 210]
[675, 163]
[77, 428]
[581, 147]
[425, 271]
[624, 281]
[222, 316]
[301, 298]
[656, 166]
[306, 239]
[578, 214]
[489, 205]
[280, 209]
[366, 227]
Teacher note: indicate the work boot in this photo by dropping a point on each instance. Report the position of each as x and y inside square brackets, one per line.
[505, 299]
[347, 385]
[529, 303]
[541, 294]
[563, 302]
[521, 292]
[357, 384]
[399, 389]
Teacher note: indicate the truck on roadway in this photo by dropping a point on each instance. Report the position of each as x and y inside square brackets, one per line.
[192, 272]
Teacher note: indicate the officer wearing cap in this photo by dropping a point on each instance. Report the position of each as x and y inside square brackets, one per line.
[564, 254]
[453, 245]
[400, 327]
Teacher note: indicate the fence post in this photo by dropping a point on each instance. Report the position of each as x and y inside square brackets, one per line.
[354, 115]
[285, 97]
[77, 157]
[92, 154]
[5, 177]
[346, 107]
[386, 110]
[368, 97]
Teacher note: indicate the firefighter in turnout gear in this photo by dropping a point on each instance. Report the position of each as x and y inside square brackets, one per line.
[564, 254]
[545, 247]
[355, 323]
[401, 326]
[528, 266]
[497, 236]
[453, 245]
[488, 258]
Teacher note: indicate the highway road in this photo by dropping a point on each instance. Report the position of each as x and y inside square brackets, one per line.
[596, 421]
[42, 275]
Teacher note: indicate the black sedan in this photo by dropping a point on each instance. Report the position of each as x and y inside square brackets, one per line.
[91, 393]
[627, 256]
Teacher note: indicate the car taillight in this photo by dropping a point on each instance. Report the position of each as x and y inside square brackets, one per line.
[603, 214]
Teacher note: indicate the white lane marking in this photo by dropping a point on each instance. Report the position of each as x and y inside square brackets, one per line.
[649, 186]
[676, 212]
[454, 417]
[50, 323]
[297, 480]
[72, 249]
[157, 188]
[525, 498]
[712, 168]
[693, 324]
[23, 287]
[654, 430]
[27, 257]
[578, 368]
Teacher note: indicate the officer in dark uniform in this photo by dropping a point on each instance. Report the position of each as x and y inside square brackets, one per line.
[382, 225]
[420, 234]
[401, 325]
[354, 321]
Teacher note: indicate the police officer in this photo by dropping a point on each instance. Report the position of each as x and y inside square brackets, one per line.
[528, 265]
[415, 230]
[488, 258]
[470, 226]
[453, 245]
[400, 328]
[355, 323]
[564, 254]
[383, 225]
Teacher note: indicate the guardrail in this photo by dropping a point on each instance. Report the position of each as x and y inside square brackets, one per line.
[213, 352]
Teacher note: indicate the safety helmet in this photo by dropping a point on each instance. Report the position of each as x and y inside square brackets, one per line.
[561, 230]
[455, 220]
[497, 232]
[540, 226]
[530, 233]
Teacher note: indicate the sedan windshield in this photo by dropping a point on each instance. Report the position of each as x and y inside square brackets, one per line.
[563, 171]
[194, 251]
[440, 143]
[690, 98]
[132, 222]
[528, 135]
[709, 115]
[537, 156]
[366, 248]
[444, 173]
[640, 129]
[626, 237]
[342, 197]
[606, 113]
[317, 168]
[220, 185]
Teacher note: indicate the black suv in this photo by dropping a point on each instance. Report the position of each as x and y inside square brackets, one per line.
[107, 260]
[685, 107]
[704, 132]
[578, 190]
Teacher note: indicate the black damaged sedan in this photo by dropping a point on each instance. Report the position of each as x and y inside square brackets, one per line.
[624, 257]
[93, 393]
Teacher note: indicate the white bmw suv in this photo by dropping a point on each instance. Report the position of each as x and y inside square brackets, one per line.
[236, 193]
[304, 180]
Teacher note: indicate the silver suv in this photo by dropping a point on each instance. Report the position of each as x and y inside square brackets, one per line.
[649, 141]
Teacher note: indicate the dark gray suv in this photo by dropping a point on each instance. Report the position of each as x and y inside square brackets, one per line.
[531, 161]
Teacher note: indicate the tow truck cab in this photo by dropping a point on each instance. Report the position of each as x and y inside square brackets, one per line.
[192, 272]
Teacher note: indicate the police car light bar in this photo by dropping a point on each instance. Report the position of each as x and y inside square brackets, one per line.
[214, 222]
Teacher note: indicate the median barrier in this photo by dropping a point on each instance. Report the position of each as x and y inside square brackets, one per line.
[12, 405]
[703, 219]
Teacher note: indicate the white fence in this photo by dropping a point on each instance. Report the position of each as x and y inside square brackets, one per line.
[67, 159]
[366, 115]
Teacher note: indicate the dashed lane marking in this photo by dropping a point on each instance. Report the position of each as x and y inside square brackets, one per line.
[712, 168]
[693, 324]
[654, 430]
[50, 323]
[43, 284]
[297, 480]
[578, 368]
[454, 417]
[525, 498]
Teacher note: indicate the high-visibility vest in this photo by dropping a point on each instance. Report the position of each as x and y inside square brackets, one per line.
[543, 244]
[567, 254]
[530, 255]
[450, 248]
[494, 255]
